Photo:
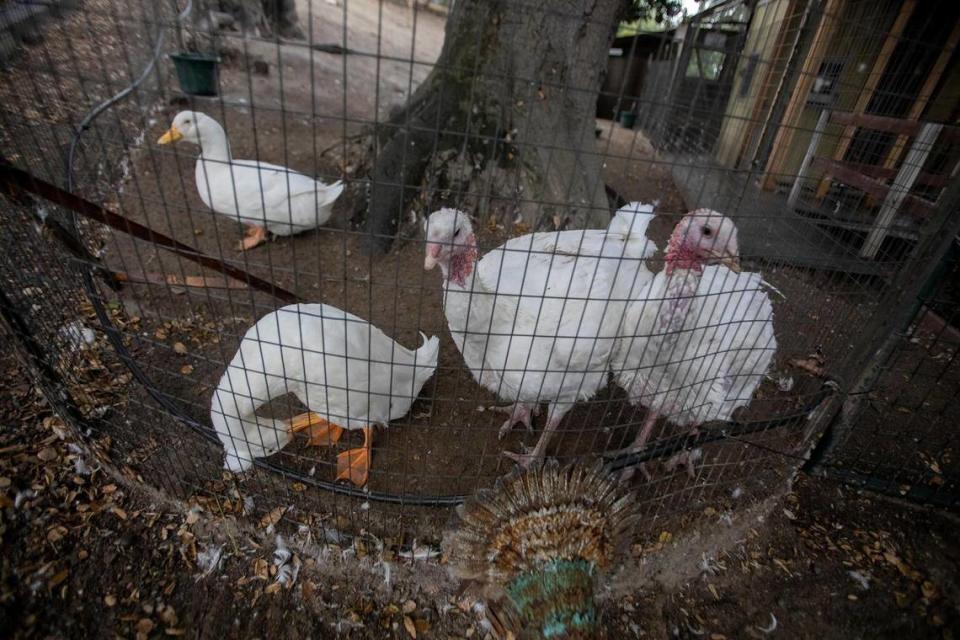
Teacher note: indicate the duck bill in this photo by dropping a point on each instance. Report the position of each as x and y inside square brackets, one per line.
[172, 135]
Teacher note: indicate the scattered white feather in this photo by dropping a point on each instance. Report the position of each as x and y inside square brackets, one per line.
[785, 383]
[708, 564]
[771, 627]
[386, 572]
[282, 554]
[209, 560]
[419, 552]
[736, 493]
[288, 565]
[80, 467]
[77, 335]
[23, 496]
[861, 578]
[248, 505]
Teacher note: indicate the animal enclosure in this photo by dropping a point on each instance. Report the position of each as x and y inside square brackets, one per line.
[123, 283]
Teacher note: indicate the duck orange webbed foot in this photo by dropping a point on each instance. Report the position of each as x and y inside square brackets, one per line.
[322, 433]
[354, 464]
[254, 236]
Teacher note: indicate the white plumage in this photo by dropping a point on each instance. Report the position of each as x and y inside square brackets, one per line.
[536, 318]
[346, 371]
[698, 341]
[258, 194]
[725, 346]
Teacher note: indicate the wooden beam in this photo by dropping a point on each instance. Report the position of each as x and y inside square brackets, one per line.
[870, 86]
[845, 173]
[901, 188]
[926, 93]
[798, 99]
[763, 102]
[808, 158]
[877, 123]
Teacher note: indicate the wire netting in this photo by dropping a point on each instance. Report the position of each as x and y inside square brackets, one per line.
[823, 129]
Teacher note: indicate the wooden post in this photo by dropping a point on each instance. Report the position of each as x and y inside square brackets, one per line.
[926, 92]
[866, 94]
[808, 158]
[798, 99]
[900, 188]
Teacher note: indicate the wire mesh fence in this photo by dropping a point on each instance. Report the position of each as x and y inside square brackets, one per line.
[821, 130]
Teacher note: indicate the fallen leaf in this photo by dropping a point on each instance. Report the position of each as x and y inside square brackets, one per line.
[929, 590]
[145, 626]
[410, 627]
[179, 347]
[665, 537]
[117, 511]
[170, 631]
[110, 600]
[273, 517]
[409, 606]
[47, 454]
[261, 569]
[57, 579]
[272, 588]
[186, 369]
[4, 482]
[811, 365]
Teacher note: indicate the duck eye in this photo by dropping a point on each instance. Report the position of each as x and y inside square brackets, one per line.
[456, 233]
[706, 231]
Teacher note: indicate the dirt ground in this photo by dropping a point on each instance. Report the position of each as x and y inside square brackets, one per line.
[88, 556]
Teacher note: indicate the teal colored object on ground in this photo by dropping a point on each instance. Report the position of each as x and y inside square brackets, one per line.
[627, 119]
[197, 72]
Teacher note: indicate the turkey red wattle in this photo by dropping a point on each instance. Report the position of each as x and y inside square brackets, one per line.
[461, 262]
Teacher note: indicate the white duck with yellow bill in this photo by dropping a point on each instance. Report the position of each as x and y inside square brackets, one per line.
[262, 196]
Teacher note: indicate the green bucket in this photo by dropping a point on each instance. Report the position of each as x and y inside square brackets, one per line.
[627, 119]
[197, 72]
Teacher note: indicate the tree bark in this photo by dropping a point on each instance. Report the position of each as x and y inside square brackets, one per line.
[504, 125]
[264, 17]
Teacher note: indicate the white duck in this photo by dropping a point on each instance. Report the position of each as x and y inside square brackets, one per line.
[697, 343]
[346, 371]
[536, 318]
[262, 196]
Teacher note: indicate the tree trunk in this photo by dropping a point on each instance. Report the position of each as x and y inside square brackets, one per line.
[504, 124]
[262, 17]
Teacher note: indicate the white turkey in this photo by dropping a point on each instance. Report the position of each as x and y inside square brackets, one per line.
[262, 196]
[537, 317]
[346, 371]
[698, 342]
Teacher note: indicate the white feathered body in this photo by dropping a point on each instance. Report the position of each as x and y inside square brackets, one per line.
[260, 193]
[696, 354]
[337, 364]
[537, 319]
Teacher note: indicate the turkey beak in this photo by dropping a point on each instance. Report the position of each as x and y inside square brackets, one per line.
[433, 251]
[730, 259]
[732, 262]
[172, 135]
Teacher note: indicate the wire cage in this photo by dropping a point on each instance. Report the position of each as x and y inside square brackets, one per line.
[805, 122]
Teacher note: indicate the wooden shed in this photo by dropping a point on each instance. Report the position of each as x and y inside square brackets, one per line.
[849, 106]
